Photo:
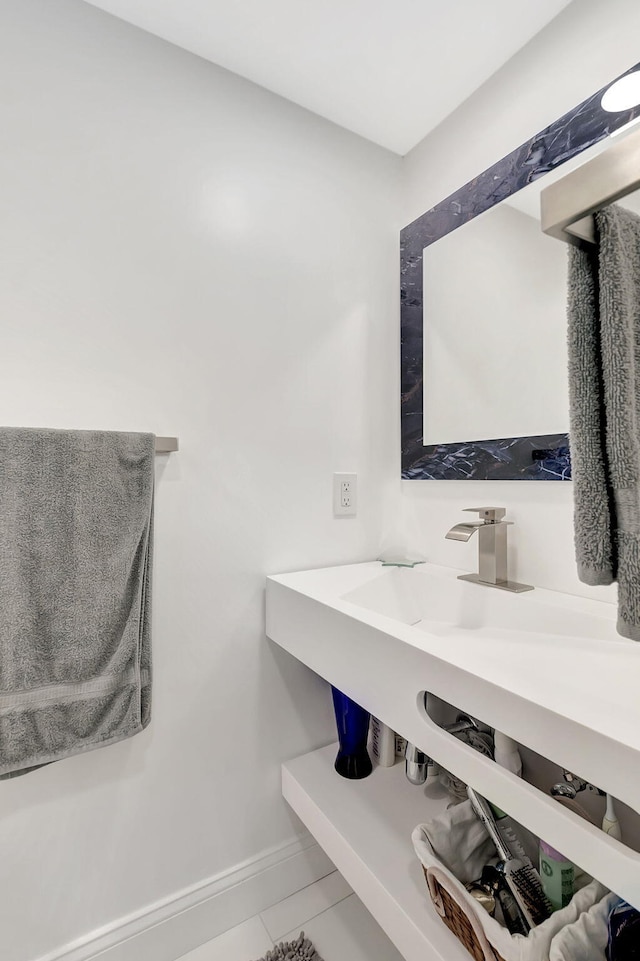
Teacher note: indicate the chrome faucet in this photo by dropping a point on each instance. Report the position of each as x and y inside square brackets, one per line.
[492, 538]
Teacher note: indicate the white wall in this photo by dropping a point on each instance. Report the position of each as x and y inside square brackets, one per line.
[185, 253]
[584, 48]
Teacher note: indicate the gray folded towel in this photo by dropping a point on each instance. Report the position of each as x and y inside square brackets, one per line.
[604, 391]
[76, 535]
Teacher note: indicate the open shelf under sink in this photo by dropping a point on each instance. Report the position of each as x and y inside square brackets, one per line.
[365, 828]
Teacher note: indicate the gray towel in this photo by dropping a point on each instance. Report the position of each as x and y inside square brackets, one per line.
[604, 390]
[75, 565]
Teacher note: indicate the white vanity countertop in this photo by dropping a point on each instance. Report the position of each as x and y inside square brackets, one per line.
[546, 668]
[592, 677]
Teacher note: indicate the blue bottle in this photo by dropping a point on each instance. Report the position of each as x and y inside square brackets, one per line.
[353, 759]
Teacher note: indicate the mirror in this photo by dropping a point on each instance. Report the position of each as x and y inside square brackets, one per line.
[494, 329]
[484, 383]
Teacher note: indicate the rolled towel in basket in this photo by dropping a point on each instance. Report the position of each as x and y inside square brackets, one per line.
[586, 938]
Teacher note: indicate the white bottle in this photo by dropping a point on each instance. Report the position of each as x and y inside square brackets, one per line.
[610, 823]
[401, 746]
[506, 753]
[383, 743]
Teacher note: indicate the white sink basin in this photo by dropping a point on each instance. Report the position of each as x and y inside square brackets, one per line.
[435, 601]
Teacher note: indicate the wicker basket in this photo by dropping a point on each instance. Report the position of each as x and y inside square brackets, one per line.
[457, 920]
[482, 936]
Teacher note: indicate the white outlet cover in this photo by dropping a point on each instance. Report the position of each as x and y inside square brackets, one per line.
[345, 486]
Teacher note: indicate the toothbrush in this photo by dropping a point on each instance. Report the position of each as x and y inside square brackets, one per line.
[610, 823]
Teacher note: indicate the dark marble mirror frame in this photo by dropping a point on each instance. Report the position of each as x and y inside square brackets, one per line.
[545, 457]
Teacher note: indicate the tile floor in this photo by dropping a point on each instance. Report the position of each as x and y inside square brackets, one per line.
[330, 914]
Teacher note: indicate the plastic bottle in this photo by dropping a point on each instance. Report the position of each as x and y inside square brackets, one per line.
[352, 722]
[401, 746]
[508, 831]
[383, 743]
[557, 875]
[506, 753]
[610, 823]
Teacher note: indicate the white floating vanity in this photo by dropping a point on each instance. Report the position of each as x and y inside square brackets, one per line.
[545, 668]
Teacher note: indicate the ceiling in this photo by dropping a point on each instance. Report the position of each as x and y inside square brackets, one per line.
[389, 70]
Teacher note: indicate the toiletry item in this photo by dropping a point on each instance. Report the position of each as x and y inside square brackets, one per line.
[573, 785]
[506, 753]
[433, 773]
[520, 875]
[401, 745]
[416, 764]
[610, 823]
[558, 876]
[465, 729]
[383, 743]
[512, 915]
[483, 895]
[526, 886]
[352, 721]
[624, 933]
[507, 828]
[572, 805]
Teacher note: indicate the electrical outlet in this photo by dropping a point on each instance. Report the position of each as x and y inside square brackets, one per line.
[345, 495]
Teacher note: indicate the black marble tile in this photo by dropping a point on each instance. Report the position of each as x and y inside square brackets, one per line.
[510, 458]
[545, 457]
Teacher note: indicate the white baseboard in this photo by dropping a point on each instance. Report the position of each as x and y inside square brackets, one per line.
[172, 927]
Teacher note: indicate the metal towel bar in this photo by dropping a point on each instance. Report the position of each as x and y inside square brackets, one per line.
[567, 206]
[166, 445]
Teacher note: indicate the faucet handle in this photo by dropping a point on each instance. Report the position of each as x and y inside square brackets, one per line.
[490, 515]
